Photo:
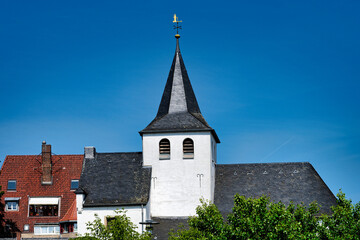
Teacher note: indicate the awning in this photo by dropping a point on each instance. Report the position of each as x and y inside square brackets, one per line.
[12, 199]
[44, 201]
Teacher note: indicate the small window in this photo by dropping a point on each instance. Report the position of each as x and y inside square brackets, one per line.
[11, 205]
[74, 184]
[188, 148]
[46, 229]
[26, 227]
[164, 149]
[11, 185]
[68, 227]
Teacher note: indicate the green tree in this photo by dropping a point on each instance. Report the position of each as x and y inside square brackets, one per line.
[259, 218]
[252, 218]
[119, 228]
[344, 222]
[208, 224]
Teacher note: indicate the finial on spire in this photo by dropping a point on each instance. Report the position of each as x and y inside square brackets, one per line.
[177, 27]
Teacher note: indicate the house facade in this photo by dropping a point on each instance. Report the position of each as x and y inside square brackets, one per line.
[39, 199]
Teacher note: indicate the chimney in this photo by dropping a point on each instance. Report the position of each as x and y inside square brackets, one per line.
[46, 177]
[89, 152]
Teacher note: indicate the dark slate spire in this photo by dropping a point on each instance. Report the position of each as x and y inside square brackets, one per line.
[178, 95]
[178, 110]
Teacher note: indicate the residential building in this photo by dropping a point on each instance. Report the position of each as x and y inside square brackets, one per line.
[39, 194]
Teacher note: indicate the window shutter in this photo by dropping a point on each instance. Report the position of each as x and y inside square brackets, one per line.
[188, 148]
[164, 149]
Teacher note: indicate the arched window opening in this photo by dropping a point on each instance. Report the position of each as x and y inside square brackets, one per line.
[188, 148]
[164, 149]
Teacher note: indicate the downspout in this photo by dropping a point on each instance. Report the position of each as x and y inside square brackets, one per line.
[142, 218]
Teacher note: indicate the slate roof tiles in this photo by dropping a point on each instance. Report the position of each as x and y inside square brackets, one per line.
[113, 179]
[285, 182]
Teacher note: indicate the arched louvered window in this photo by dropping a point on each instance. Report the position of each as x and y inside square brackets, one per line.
[164, 149]
[188, 148]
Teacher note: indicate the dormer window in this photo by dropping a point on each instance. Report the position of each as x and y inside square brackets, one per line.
[74, 184]
[188, 148]
[164, 149]
[11, 185]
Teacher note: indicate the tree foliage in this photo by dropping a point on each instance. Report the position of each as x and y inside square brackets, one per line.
[344, 222]
[258, 218]
[119, 228]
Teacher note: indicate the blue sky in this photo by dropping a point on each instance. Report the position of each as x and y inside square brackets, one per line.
[277, 80]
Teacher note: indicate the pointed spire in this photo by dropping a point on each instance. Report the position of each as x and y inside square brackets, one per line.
[178, 95]
[178, 110]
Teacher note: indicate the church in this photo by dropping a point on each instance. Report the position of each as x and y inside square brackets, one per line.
[161, 186]
[51, 196]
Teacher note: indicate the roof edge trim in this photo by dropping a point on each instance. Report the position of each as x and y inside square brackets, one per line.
[182, 130]
[112, 204]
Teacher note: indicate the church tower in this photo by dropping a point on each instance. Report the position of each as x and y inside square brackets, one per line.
[180, 147]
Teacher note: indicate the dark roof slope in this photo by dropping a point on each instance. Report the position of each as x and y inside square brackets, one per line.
[182, 120]
[113, 179]
[161, 230]
[179, 81]
[178, 110]
[285, 182]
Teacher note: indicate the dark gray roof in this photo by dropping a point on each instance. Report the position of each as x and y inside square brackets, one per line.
[285, 182]
[161, 230]
[178, 110]
[113, 179]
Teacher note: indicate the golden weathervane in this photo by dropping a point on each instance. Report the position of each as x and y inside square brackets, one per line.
[177, 27]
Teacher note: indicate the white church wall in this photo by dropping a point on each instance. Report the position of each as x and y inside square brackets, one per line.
[177, 184]
[136, 213]
[213, 162]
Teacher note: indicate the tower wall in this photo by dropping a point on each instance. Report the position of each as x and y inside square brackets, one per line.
[177, 183]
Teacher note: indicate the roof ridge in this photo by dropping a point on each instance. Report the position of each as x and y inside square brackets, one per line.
[33, 155]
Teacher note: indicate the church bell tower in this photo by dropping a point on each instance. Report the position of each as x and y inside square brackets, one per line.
[180, 147]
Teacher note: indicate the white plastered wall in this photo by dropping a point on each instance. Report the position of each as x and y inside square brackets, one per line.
[87, 214]
[177, 184]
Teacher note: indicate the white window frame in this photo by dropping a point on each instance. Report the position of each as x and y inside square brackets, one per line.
[11, 209]
[44, 229]
[41, 201]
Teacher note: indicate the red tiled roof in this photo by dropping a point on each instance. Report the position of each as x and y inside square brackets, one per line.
[70, 215]
[27, 170]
